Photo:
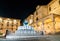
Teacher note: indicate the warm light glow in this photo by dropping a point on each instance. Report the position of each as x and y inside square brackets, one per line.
[31, 15]
[30, 21]
[47, 20]
[15, 21]
[39, 23]
[40, 26]
[10, 22]
[0, 19]
[57, 19]
[57, 26]
[5, 21]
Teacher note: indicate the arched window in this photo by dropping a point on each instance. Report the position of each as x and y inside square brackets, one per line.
[49, 8]
[36, 19]
[59, 2]
[7, 23]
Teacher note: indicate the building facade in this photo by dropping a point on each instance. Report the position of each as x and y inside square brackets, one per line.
[54, 7]
[8, 24]
[47, 17]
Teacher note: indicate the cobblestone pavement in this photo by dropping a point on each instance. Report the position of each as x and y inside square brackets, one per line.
[42, 38]
[54, 37]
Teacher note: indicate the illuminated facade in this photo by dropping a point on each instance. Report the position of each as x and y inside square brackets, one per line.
[8, 24]
[54, 7]
[30, 19]
[47, 17]
[42, 11]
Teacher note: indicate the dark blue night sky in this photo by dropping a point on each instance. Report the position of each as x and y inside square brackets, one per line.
[19, 8]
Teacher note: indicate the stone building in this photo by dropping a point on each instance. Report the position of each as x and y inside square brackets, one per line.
[8, 24]
[47, 17]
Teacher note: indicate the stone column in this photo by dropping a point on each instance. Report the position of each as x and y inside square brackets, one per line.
[53, 20]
